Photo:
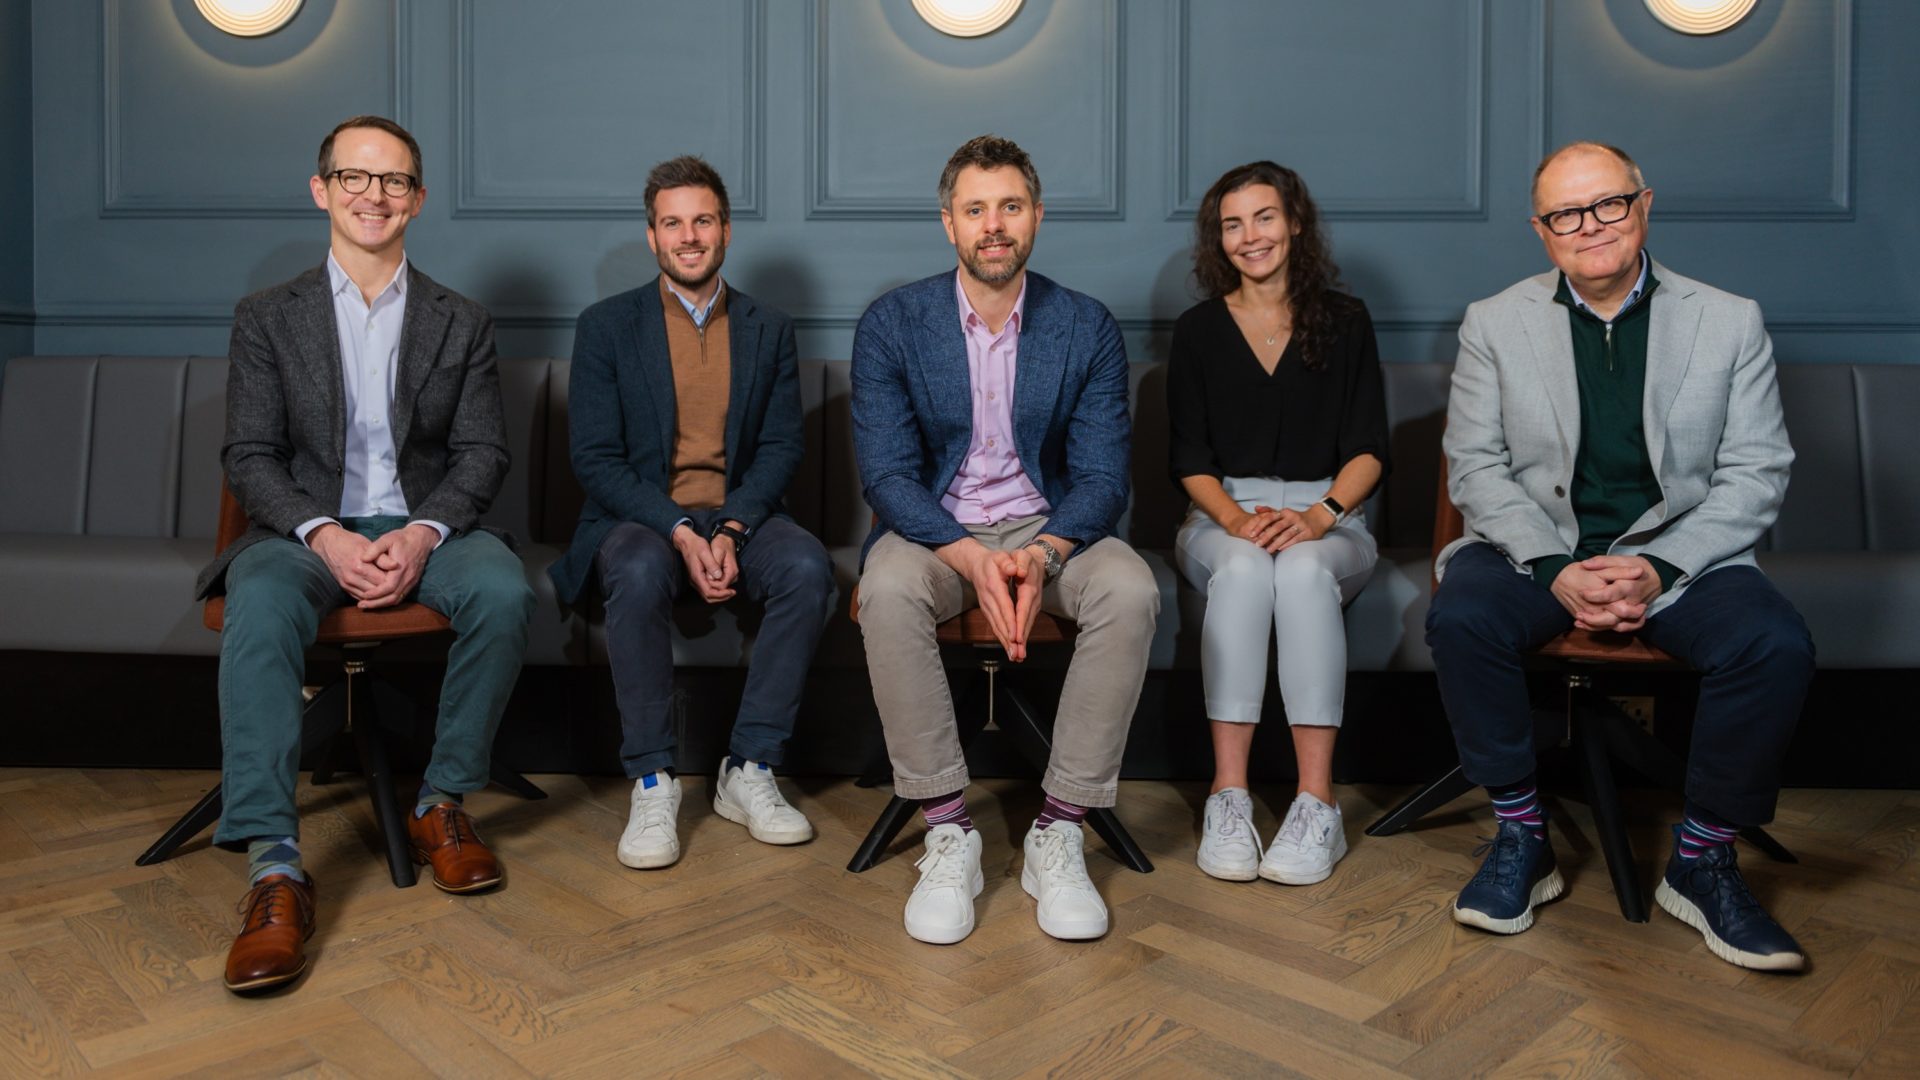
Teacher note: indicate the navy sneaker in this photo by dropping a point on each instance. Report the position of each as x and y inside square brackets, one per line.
[1709, 895]
[1518, 876]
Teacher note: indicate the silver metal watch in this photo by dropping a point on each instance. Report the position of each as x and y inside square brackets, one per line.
[1050, 558]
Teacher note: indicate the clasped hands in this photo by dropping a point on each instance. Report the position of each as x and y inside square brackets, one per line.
[376, 573]
[712, 565]
[1277, 530]
[1608, 592]
[1007, 584]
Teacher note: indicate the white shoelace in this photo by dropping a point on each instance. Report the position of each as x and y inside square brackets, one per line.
[1300, 818]
[1054, 858]
[762, 794]
[945, 863]
[656, 814]
[1234, 825]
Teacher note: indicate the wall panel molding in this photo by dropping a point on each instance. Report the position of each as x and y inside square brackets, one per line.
[1470, 204]
[824, 203]
[117, 202]
[1835, 204]
[746, 189]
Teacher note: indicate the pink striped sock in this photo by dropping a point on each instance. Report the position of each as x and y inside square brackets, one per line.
[1059, 810]
[947, 810]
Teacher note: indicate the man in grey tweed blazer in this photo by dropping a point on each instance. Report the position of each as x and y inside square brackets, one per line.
[365, 437]
[1615, 444]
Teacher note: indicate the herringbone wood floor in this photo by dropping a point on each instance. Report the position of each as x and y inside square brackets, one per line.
[746, 960]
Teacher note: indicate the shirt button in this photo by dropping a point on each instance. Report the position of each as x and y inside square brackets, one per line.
[989, 395]
[989, 442]
[1559, 492]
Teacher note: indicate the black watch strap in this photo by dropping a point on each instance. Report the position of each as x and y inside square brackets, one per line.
[739, 535]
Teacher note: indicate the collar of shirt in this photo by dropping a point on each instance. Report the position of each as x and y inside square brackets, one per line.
[700, 314]
[970, 318]
[337, 276]
[1639, 286]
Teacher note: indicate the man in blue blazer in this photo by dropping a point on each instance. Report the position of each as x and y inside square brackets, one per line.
[990, 422]
[684, 410]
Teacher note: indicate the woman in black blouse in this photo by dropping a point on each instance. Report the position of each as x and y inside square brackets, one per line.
[1278, 426]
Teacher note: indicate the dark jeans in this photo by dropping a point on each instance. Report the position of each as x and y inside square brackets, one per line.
[1749, 644]
[783, 568]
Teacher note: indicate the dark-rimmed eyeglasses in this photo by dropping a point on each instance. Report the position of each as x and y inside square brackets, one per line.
[1607, 211]
[397, 185]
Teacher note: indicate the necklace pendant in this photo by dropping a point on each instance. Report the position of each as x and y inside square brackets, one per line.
[1270, 338]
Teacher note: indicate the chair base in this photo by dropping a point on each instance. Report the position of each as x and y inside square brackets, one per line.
[1029, 732]
[1598, 733]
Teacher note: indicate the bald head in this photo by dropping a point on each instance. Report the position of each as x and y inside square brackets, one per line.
[1585, 147]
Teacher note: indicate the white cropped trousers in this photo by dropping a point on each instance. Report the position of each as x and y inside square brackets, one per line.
[1297, 594]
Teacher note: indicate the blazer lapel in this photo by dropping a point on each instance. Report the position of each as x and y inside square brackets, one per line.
[316, 336]
[423, 329]
[944, 369]
[1671, 328]
[656, 366]
[1037, 372]
[744, 357]
[1545, 324]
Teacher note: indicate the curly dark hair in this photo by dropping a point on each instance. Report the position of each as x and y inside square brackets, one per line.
[1312, 275]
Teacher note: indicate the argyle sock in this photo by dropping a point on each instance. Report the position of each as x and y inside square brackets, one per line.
[431, 797]
[1520, 802]
[1702, 830]
[947, 810]
[1059, 810]
[273, 855]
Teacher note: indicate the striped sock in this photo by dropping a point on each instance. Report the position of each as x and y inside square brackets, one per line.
[1059, 810]
[431, 797]
[273, 855]
[947, 810]
[1702, 830]
[1521, 802]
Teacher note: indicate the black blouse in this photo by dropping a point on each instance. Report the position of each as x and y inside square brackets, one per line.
[1228, 417]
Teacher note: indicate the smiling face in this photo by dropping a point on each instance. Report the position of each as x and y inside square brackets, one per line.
[1255, 231]
[1595, 257]
[372, 222]
[991, 222]
[688, 235]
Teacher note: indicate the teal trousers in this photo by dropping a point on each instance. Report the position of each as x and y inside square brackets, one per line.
[278, 591]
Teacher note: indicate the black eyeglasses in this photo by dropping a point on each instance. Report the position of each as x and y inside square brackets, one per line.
[1607, 211]
[398, 185]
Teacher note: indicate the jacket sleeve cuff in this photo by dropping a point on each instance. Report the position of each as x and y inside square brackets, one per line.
[1668, 572]
[1546, 568]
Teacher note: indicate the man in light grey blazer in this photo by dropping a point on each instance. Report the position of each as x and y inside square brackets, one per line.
[365, 438]
[1615, 443]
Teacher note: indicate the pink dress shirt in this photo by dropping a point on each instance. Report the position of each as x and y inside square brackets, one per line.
[991, 486]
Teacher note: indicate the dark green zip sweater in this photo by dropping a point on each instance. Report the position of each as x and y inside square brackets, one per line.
[1613, 480]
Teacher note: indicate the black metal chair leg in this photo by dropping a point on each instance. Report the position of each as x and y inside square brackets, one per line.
[885, 828]
[1119, 840]
[1604, 799]
[1421, 803]
[370, 742]
[514, 782]
[204, 813]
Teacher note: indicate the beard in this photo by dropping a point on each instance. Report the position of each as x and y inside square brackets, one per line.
[694, 282]
[996, 274]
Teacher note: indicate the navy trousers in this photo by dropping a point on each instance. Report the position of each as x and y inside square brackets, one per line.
[783, 568]
[1747, 641]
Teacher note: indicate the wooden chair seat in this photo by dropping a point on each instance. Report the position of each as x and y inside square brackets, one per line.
[350, 624]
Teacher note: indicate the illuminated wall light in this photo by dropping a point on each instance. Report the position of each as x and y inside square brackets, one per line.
[966, 18]
[1700, 16]
[248, 18]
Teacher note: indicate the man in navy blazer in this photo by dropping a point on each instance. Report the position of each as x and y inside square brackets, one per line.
[990, 422]
[684, 410]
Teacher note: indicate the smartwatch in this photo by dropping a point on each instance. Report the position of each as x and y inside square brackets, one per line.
[739, 536]
[1332, 506]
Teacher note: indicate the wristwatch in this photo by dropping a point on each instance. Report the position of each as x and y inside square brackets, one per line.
[739, 536]
[1332, 506]
[1050, 559]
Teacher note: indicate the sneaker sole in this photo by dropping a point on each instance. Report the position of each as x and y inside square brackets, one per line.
[766, 836]
[1546, 889]
[958, 934]
[1057, 928]
[1236, 873]
[1287, 877]
[1688, 912]
[648, 862]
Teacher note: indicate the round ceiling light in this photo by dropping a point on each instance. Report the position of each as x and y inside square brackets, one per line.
[966, 18]
[1700, 16]
[248, 18]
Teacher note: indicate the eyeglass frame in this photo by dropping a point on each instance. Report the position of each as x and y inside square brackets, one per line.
[1591, 208]
[413, 182]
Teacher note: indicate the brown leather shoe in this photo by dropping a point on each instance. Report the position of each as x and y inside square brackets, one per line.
[443, 837]
[277, 920]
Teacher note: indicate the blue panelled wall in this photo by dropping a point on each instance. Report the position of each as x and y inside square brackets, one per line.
[155, 170]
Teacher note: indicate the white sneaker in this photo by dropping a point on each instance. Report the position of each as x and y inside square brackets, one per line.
[652, 838]
[940, 911]
[1229, 848]
[748, 796]
[1055, 874]
[1310, 841]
